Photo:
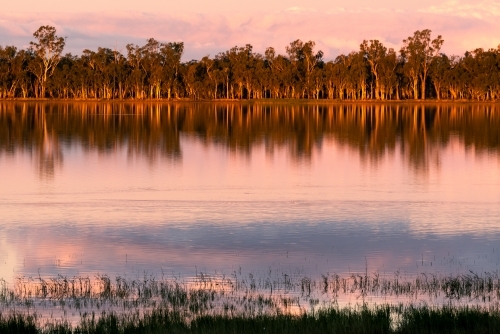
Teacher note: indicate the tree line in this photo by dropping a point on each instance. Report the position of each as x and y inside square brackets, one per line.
[155, 71]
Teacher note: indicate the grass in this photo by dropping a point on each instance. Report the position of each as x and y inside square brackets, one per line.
[448, 319]
[347, 320]
[248, 304]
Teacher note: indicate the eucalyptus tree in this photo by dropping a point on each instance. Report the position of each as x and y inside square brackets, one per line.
[271, 63]
[374, 52]
[20, 73]
[48, 50]
[242, 64]
[246, 69]
[340, 75]
[8, 78]
[482, 68]
[329, 70]
[317, 82]
[495, 86]
[440, 66]
[266, 80]
[120, 70]
[62, 83]
[419, 51]
[152, 67]
[189, 72]
[351, 86]
[226, 72]
[285, 76]
[84, 73]
[103, 59]
[279, 72]
[261, 74]
[135, 59]
[253, 65]
[389, 79]
[209, 79]
[234, 75]
[304, 59]
[99, 77]
[359, 73]
[296, 57]
[171, 54]
[454, 77]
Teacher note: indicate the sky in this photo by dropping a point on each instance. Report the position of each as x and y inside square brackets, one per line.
[210, 27]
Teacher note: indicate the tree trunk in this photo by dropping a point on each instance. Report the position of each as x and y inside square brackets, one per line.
[422, 88]
[415, 88]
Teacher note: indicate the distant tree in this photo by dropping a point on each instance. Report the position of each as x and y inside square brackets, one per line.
[137, 76]
[389, 78]
[48, 52]
[419, 51]
[8, 79]
[439, 67]
[358, 73]
[304, 60]
[374, 52]
[171, 56]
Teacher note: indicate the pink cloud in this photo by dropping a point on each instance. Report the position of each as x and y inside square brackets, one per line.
[463, 26]
[482, 9]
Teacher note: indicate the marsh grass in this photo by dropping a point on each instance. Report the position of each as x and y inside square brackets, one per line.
[334, 320]
[250, 304]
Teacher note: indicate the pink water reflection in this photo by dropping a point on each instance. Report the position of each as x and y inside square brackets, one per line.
[130, 208]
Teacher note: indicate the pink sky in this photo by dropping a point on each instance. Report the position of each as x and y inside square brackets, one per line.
[209, 27]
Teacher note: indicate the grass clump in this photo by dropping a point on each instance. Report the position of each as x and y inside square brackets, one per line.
[18, 323]
[448, 319]
[325, 321]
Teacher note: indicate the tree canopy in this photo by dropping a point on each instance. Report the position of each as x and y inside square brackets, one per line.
[155, 70]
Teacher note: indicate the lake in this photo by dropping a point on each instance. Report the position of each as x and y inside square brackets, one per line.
[175, 189]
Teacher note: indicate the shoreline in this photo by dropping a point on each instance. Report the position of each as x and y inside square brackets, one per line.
[257, 101]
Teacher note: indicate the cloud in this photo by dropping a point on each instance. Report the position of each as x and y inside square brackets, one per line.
[486, 9]
[463, 26]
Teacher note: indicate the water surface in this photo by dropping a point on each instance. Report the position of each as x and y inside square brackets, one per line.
[128, 189]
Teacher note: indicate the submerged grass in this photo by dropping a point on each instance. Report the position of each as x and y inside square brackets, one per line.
[237, 304]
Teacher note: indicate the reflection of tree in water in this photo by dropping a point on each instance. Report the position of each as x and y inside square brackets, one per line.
[153, 130]
[24, 128]
[48, 154]
[147, 136]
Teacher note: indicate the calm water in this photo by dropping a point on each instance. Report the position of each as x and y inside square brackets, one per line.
[128, 189]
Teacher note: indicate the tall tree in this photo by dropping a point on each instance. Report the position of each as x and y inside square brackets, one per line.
[48, 52]
[419, 50]
[171, 55]
[375, 53]
[304, 60]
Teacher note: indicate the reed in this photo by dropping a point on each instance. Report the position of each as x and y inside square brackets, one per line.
[240, 304]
